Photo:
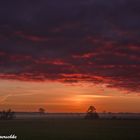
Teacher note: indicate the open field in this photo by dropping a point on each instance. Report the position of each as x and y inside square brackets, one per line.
[72, 129]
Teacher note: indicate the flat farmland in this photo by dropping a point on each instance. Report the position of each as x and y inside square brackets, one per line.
[71, 129]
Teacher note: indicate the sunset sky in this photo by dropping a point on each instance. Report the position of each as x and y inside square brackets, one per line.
[64, 55]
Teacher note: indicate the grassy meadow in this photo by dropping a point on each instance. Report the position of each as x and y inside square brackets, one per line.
[59, 129]
[72, 129]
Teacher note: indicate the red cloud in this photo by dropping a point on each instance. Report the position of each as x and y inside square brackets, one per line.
[81, 42]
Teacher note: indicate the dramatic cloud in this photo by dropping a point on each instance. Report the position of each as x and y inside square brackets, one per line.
[96, 41]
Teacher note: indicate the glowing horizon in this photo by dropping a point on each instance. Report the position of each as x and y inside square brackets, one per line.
[58, 97]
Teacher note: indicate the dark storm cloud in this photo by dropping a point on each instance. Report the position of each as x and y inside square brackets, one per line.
[71, 41]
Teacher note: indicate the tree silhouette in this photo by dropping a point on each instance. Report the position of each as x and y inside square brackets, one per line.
[91, 109]
[7, 115]
[91, 113]
[41, 111]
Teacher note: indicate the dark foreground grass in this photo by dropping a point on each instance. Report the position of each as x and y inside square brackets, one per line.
[59, 129]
